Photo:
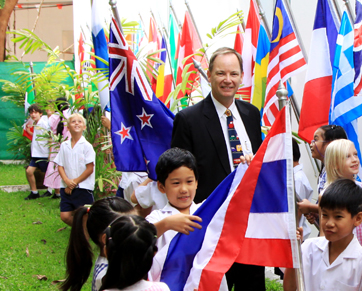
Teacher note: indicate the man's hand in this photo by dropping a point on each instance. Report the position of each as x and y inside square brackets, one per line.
[304, 206]
[246, 158]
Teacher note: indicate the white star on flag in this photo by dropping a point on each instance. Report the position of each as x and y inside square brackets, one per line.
[145, 119]
[124, 133]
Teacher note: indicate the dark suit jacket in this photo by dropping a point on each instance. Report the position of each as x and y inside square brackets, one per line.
[197, 129]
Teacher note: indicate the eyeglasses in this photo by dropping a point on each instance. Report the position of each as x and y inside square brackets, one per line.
[314, 141]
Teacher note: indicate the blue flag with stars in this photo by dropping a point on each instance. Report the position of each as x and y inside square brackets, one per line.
[141, 125]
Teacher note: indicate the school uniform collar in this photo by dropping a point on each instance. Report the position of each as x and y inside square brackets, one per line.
[68, 142]
[298, 168]
[168, 208]
[349, 253]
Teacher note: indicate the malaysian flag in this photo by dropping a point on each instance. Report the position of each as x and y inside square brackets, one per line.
[141, 124]
[285, 59]
[262, 209]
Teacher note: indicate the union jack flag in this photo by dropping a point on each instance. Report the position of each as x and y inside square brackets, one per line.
[357, 49]
[285, 60]
[141, 125]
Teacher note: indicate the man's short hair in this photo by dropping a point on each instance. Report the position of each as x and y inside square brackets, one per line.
[225, 51]
[35, 107]
[343, 194]
[173, 159]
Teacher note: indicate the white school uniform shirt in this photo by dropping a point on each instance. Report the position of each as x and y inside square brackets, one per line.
[305, 191]
[168, 210]
[344, 274]
[144, 285]
[74, 161]
[39, 148]
[239, 127]
[149, 195]
[133, 180]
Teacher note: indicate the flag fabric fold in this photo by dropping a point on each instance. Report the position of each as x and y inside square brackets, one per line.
[246, 197]
[357, 49]
[285, 59]
[100, 50]
[317, 90]
[141, 125]
[345, 107]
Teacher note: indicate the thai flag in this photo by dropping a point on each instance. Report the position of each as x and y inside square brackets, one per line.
[249, 219]
[345, 107]
[285, 59]
[100, 50]
[317, 89]
[141, 124]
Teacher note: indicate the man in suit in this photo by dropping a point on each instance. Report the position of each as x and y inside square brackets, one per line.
[203, 130]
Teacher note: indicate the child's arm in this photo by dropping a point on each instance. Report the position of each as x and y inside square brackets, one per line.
[87, 172]
[179, 222]
[144, 183]
[289, 281]
[306, 206]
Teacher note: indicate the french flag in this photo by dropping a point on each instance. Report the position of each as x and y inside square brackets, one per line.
[248, 219]
[317, 89]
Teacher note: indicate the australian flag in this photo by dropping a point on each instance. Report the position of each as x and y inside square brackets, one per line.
[141, 125]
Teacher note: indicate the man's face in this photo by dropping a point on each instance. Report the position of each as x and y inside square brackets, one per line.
[225, 78]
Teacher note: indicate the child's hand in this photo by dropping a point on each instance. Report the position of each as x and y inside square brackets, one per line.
[68, 191]
[304, 206]
[300, 233]
[106, 122]
[183, 223]
[72, 184]
[311, 217]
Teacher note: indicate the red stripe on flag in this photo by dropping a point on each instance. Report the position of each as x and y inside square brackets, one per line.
[276, 252]
[293, 51]
[293, 67]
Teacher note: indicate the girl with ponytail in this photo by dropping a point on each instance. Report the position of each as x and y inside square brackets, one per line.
[90, 222]
[130, 247]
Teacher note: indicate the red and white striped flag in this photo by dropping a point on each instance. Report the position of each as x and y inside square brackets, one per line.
[285, 60]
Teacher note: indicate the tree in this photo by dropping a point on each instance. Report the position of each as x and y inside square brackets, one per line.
[6, 8]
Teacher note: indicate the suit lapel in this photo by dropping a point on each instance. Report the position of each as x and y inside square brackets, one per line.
[216, 133]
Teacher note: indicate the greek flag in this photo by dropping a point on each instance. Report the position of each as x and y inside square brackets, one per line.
[345, 107]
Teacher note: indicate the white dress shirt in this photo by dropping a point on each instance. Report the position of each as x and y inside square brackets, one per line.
[39, 148]
[239, 127]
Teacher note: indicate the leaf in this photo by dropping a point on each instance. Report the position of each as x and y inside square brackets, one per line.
[57, 281]
[43, 241]
[27, 252]
[37, 222]
[61, 229]
[41, 277]
[3, 277]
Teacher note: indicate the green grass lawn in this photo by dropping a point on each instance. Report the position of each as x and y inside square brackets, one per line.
[12, 175]
[28, 249]
[46, 247]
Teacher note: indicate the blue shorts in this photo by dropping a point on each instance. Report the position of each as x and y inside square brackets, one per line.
[120, 192]
[40, 163]
[79, 197]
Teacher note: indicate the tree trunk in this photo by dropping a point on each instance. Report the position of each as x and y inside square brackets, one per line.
[5, 14]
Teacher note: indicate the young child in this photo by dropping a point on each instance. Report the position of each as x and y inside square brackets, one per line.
[333, 262]
[177, 179]
[79, 254]
[130, 247]
[57, 126]
[76, 162]
[323, 136]
[39, 149]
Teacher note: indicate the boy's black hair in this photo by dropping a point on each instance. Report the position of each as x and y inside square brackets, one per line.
[296, 151]
[333, 132]
[173, 159]
[343, 194]
[79, 254]
[35, 107]
[131, 244]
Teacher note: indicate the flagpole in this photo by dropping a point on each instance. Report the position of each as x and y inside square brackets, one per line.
[175, 16]
[350, 11]
[337, 10]
[32, 80]
[113, 4]
[198, 66]
[263, 18]
[143, 25]
[282, 95]
[241, 20]
[197, 30]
